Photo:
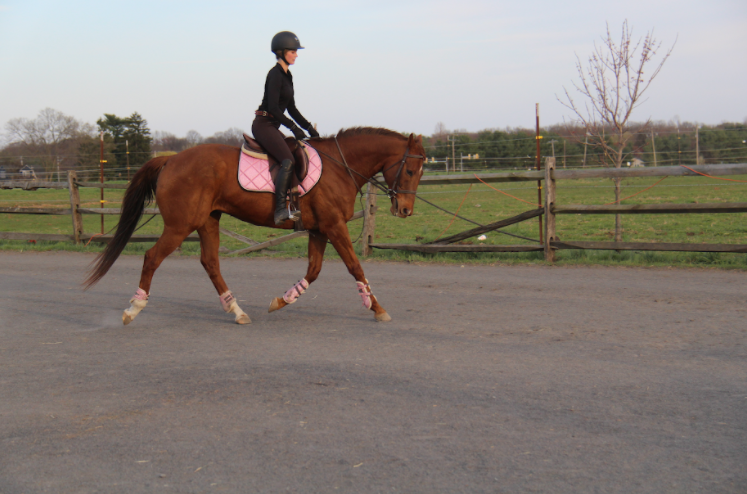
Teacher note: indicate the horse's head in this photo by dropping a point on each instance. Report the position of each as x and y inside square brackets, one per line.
[403, 177]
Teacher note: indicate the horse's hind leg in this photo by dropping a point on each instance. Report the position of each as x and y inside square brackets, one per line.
[170, 239]
[317, 245]
[209, 245]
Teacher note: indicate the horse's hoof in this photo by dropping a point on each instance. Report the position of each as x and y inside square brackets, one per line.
[243, 319]
[276, 304]
[383, 317]
[126, 318]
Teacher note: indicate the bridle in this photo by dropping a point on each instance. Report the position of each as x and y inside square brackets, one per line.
[391, 193]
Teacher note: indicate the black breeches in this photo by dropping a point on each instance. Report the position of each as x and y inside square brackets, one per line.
[271, 139]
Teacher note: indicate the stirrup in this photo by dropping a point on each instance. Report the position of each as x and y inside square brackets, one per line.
[293, 215]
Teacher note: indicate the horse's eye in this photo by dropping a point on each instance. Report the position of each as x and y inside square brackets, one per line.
[409, 173]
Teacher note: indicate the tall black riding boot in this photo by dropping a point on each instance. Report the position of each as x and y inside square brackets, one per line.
[282, 183]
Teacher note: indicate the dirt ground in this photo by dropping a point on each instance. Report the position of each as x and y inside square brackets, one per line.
[488, 379]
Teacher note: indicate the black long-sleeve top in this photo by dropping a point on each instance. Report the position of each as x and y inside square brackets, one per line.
[279, 97]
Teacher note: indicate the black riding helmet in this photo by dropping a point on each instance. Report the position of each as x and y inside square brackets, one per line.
[284, 40]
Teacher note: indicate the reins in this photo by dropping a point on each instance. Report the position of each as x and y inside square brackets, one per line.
[393, 192]
[390, 192]
[345, 164]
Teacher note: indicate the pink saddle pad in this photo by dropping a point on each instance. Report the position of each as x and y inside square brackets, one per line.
[254, 173]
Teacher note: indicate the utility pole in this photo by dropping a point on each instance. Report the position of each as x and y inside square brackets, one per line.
[697, 145]
[539, 182]
[453, 155]
[679, 150]
[586, 143]
[552, 143]
[101, 166]
[127, 147]
[653, 145]
[58, 168]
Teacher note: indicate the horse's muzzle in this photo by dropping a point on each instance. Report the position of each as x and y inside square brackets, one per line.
[399, 212]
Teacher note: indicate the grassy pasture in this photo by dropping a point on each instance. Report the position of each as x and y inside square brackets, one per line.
[481, 204]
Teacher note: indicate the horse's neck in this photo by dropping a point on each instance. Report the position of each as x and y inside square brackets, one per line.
[367, 156]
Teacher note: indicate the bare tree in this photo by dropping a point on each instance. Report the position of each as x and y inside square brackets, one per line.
[193, 138]
[612, 85]
[440, 132]
[233, 137]
[52, 137]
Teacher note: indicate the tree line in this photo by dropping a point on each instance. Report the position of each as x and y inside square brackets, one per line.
[656, 143]
[54, 141]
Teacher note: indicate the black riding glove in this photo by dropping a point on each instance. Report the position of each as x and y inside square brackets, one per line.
[297, 132]
[312, 132]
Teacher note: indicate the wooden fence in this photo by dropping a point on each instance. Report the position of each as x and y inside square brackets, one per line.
[550, 210]
[76, 211]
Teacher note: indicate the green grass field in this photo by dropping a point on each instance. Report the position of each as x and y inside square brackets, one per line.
[481, 204]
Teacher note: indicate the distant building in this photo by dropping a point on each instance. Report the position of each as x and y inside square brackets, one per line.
[27, 172]
[636, 163]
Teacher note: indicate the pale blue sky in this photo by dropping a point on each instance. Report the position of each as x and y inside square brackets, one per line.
[402, 64]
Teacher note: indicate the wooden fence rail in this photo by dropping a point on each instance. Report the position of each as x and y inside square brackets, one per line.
[448, 244]
[31, 185]
[76, 211]
[550, 209]
[725, 207]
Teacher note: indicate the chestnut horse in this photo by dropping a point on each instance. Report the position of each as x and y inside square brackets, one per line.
[195, 187]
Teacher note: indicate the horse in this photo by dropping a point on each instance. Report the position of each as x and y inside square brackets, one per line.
[195, 187]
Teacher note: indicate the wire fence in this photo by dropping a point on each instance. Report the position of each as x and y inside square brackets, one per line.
[54, 167]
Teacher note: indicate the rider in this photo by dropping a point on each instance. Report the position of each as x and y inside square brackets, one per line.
[271, 113]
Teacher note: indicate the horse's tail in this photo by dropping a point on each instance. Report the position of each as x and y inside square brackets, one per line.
[138, 194]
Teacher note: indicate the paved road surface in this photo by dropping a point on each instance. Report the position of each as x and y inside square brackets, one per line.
[489, 379]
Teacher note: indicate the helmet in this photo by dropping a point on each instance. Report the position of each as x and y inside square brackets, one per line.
[285, 40]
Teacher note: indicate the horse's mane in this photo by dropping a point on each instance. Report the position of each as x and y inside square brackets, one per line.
[361, 131]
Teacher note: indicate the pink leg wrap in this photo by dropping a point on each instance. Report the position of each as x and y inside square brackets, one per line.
[226, 300]
[140, 295]
[364, 290]
[295, 292]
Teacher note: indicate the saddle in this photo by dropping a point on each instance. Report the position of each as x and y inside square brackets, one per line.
[301, 167]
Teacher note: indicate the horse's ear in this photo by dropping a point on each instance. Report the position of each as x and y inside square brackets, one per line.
[411, 140]
[419, 140]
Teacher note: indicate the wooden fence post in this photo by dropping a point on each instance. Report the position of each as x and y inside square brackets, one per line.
[549, 203]
[74, 205]
[369, 221]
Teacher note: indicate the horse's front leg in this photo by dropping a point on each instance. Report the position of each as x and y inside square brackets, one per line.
[340, 239]
[317, 244]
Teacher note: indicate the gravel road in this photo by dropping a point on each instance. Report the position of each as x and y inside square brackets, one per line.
[488, 379]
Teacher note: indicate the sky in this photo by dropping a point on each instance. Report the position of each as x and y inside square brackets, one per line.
[405, 65]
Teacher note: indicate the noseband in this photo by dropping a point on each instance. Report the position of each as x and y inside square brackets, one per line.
[393, 192]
